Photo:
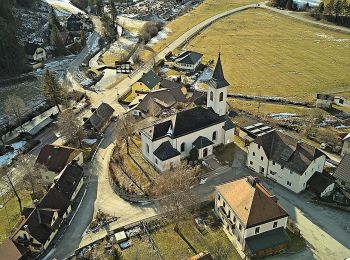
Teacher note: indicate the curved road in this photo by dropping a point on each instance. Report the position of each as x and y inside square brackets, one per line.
[98, 192]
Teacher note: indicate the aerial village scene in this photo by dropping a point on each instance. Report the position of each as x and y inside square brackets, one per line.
[174, 129]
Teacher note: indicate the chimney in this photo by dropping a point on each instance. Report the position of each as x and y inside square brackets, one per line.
[252, 181]
[26, 229]
[38, 214]
[274, 198]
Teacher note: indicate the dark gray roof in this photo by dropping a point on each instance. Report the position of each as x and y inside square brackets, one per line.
[266, 240]
[320, 181]
[325, 97]
[343, 170]
[155, 101]
[30, 48]
[150, 79]
[186, 122]
[288, 151]
[189, 57]
[69, 180]
[218, 80]
[100, 117]
[202, 142]
[165, 151]
[228, 124]
[198, 98]
[194, 119]
[170, 84]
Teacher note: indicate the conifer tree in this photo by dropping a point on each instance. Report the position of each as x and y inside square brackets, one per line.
[52, 90]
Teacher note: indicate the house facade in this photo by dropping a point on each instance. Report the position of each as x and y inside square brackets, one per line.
[342, 173]
[324, 100]
[34, 52]
[252, 216]
[346, 145]
[166, 142]
[284, 159]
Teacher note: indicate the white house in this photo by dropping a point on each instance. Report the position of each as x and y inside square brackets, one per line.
[346, 145]
[324, 100]
[188, 60]
[168, 141]
[252, 216]
[285, 159]
[322, 184]
[34, 52]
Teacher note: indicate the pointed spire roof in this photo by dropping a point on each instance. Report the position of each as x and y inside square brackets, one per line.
[218, 80]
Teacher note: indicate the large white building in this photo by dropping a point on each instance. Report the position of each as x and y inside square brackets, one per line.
[165, 143]
[346, 145]
[284, 159]
[252, 216]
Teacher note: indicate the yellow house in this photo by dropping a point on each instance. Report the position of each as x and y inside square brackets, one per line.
[149, 81]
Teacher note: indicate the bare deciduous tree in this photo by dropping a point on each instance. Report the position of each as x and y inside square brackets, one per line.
[176, 197]
[71, 127]
[8, 179]
[15, 107]
[30, 171]
[126, 130]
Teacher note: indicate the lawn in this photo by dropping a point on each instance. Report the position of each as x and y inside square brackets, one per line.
[9, 214]
[264, 53]
[172, 246]
[226, 155]
[197, 15]
[252, 107]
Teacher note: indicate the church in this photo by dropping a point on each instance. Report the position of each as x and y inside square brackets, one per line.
[168, 141]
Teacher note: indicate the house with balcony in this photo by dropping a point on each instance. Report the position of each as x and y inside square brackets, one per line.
[252, 217]
[38, 226]
[285, 159]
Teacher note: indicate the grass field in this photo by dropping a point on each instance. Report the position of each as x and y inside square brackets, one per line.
[9, 214]
[264, 53]
[181, 24]
[172, 246]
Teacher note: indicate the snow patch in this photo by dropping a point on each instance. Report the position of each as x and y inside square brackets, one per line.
[64, 6]
[160, 36]
[282, 115]
[90, 141]
[7, 158]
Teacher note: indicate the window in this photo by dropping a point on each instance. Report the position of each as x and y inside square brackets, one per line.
[258, 146]
[147, 148]
[221, 98]
[257, 230]
[224, 204]
[229, 214]
[214, 136]
[251, 162]
[234, 218]
[272, 172]
[182, 147]
[289, 183]
[262, 158]
[211, 96]
[156, 161]
[273, 163]
[253, 153]
[282, 167]
[275, 224]
[240, 227]
[219, 197]
[262, 169]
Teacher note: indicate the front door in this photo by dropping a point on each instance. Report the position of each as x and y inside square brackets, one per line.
[205, 152]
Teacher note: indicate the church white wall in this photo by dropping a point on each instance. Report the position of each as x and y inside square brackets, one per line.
[218, 106]
[190, 138]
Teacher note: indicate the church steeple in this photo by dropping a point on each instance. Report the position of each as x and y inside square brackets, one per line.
[218, 80]
[217, 90]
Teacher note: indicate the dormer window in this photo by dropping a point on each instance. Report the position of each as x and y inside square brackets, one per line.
[182, 147]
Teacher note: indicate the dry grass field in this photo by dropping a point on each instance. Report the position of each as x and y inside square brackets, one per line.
[264, 53]
[181, 24]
